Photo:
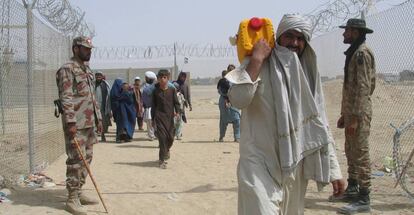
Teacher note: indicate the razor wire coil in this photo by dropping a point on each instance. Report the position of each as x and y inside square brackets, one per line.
[399, 161]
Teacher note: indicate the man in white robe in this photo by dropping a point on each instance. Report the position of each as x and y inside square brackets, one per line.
[285, 138]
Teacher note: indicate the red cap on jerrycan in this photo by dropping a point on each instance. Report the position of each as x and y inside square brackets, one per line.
[250, 31]
[255, 23]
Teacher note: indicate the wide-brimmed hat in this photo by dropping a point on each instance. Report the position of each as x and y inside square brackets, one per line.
[357, 23]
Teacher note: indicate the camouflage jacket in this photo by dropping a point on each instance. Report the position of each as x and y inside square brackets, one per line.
[360, 83]
[75, 83]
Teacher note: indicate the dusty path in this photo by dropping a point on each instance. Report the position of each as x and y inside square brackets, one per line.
[200, 178]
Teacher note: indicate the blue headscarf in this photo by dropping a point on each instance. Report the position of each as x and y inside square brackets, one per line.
[116, 88]
[123, 108]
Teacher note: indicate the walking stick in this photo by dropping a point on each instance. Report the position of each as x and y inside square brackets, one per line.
[90, 173]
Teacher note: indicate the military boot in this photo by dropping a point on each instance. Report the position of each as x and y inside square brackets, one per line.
[86, 200]
[351, 192]
[73, 204]
[360, 205]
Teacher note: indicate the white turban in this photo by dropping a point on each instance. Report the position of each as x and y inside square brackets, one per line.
[303, 25]
[295, 22]
[150, 75]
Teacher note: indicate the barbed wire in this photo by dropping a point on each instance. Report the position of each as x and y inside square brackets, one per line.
[324, 18]
[330, 15]
[160, 51]
[64, 17]
[400, 158]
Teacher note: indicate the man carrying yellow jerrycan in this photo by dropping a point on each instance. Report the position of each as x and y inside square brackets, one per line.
[285, 139]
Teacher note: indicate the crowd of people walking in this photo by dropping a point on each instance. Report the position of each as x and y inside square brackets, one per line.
[286, 140]
[159, 103]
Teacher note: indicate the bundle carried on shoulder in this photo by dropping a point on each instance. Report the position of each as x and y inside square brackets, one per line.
[250, 31]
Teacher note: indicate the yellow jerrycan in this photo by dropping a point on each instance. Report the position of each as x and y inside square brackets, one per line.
[250, 31]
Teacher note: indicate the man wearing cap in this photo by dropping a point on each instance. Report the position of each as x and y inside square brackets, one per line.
[102, 90]
[81, 116]
[356, 114]
[285, 139]
[147, 89]
[138, 102]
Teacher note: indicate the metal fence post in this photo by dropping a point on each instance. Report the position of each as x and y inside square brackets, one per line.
[30, 56]
[3, 124]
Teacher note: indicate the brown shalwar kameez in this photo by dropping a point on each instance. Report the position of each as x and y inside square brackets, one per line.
[164, 103]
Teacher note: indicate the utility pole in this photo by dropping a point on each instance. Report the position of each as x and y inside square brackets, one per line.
[175, 62]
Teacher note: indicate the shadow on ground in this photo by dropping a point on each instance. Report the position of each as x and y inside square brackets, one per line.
[199, 189]
[199, 141]
[138, 146]
[318, 204]
[321, 205]
[140, 164]
[53, 198]
[123, 142]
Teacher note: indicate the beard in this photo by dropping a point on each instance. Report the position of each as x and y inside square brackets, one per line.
[295, 49]
[348, 41]
[84, 57]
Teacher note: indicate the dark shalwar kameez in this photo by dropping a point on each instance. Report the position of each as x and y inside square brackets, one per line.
[164, 103]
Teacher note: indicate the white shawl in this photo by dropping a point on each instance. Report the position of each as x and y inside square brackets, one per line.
[301, 123]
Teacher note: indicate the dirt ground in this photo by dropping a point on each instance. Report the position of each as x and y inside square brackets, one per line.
[200, 178]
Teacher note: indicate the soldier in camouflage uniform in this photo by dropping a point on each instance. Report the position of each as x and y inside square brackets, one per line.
[356, 114]
[81, 116]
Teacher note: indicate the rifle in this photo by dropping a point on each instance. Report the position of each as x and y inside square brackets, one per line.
[58, 107]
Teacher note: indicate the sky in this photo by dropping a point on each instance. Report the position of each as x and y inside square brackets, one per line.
[160, 22]
[137, 22]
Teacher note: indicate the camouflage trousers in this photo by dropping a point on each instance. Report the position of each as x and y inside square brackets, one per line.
[76, 172]
[357, 152]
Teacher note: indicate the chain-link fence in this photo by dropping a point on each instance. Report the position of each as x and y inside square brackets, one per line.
[393, 100]
[26, 117]
[30, 135]
[30, 54]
